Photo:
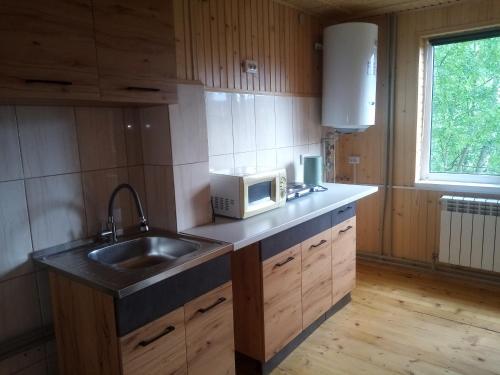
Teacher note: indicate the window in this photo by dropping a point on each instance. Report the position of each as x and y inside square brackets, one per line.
[461, 121]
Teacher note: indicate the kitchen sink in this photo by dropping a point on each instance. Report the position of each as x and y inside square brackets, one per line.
[143, 252]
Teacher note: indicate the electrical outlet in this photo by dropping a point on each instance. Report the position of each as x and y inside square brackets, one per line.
[250, 66]
[354, 159]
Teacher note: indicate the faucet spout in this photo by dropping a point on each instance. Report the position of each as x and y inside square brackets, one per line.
[143, 223]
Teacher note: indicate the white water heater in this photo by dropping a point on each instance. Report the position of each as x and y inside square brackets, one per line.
[349, 76]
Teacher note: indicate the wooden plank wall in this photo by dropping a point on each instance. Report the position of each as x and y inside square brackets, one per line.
[213, 37]
[414, 232]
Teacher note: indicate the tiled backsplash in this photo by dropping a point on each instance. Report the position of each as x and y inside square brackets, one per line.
[262, 131]
[58, 167]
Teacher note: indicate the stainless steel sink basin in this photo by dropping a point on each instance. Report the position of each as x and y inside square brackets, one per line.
[143, 252]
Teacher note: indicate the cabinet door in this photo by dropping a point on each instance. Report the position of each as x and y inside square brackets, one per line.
[281, 284]
[343, 258]
[157, 348]
[316, 276]
[209, 333]
[47, 50]
[135, 50]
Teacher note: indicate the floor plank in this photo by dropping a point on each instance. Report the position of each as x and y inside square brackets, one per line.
[405, 321]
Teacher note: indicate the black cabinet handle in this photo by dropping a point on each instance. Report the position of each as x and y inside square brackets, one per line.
[49, 81]
[318, 244]
[146, 89]
[289, 259]
[218, 302]
[346, 229]
[344, 210]
[165, 332]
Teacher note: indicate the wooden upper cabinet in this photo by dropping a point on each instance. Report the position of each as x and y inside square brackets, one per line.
[136, 50]
[47, 50]
[343, 258]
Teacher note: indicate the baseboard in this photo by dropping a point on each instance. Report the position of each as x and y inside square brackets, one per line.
[26, 342]
[248, 366]
[457, 272]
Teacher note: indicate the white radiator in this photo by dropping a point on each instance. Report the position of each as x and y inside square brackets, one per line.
[470, 232]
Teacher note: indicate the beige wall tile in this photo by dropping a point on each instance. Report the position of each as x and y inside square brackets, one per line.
[243, 109]
[265, 122]
[101, 137]
[97, 189]
[266, 159]
[298, 163]
[160, 196]
[284, 159]
[137, 180]
[19, 310]
[155, 130]
[218, 162]
[15, 239]
[192, 195]
[48, 140]
[219, 123]
[188, 126]
[315, 149]
[284, 125]
[300, 121]
[245, 160]
[56, 209]
[314, 123]
[11, 167]
[133, 137]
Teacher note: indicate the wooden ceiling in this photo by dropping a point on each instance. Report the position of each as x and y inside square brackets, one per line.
[360, 8]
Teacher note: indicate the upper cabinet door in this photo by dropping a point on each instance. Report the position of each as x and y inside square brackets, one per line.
[136, 50]
[47, 50]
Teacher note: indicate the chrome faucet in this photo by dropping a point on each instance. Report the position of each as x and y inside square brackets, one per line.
[143, 223]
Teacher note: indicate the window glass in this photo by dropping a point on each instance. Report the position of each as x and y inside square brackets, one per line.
[465, 109]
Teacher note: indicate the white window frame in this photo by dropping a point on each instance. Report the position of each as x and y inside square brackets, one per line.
[426, 178]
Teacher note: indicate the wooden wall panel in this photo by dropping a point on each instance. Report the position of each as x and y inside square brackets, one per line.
[213, 37]
[413, 215]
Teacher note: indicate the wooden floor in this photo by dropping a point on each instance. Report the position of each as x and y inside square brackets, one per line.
[403, 321]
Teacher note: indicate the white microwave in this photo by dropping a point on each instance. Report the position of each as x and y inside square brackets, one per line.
[241, 194]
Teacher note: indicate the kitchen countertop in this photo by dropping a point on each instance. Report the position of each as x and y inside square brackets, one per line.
[245, 232]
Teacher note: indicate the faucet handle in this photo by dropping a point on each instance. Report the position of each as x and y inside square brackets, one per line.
[144, 227]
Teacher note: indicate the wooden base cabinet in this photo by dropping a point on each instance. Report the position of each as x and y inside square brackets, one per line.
[193, 339]
[281, 283]
[157, 348]
[316, 277]
[209, 333]
[284, 284]
[343, 258]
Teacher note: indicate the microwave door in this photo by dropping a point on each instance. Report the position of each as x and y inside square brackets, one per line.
[259, 194]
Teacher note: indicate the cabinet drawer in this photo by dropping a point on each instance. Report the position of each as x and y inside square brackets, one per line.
[316, 277]
[282, 295]
[209, 333]
[157, 348]
[343, 258]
